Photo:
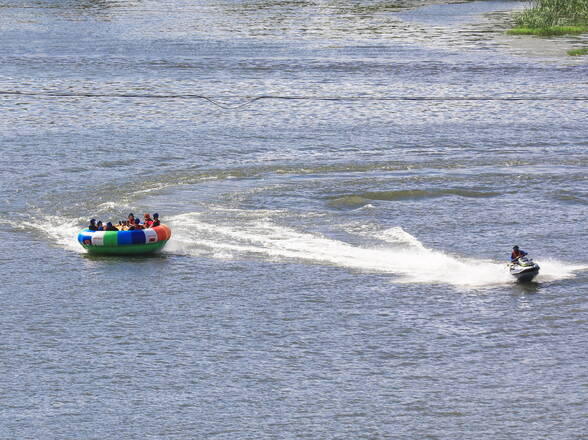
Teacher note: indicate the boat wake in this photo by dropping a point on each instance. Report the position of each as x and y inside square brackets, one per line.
[400, 254]
[55, 229]
[254, 234]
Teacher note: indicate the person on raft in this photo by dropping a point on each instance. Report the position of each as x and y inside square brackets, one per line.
[126, 225]
[147, 222]
[137, 225]
[110, 227]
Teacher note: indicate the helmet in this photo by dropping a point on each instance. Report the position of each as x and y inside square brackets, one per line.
[156, 215]
[515, 247]
[92, 220]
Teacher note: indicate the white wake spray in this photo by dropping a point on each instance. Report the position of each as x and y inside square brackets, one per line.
[400, 254]
[57, 230]
[254, 236]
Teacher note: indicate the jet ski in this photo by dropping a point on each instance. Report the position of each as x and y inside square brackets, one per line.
[523, 269]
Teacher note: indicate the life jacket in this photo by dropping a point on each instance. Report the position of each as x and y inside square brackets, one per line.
[517, 254]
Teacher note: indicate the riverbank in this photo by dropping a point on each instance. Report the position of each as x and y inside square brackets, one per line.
[485, 23]
[548, 18]
[550, 31]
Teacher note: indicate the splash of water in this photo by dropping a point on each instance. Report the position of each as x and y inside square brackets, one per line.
[61, 231]
[401, 254]
[552, 270]
[262, 238]
[400, 236]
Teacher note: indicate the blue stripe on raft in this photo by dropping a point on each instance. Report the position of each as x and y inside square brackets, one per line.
[138, 236]
[84, 237]
[124, 237]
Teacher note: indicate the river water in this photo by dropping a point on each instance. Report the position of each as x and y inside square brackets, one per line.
[344, 181]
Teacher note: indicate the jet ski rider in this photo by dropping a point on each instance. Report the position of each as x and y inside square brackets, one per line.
[516, 254]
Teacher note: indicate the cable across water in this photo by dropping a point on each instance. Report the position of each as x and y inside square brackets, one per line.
[251, 99]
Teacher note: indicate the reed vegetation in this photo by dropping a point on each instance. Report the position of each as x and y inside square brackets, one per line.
[553, 17]
[547, 31]
[553, 13]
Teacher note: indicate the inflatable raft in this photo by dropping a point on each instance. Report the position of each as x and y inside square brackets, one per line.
[136, 242]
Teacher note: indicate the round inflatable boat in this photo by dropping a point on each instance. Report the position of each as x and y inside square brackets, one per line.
[136, 242]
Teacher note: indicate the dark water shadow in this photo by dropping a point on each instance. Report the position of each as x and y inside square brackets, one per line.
[125, 258]
[527, 288]
[76, 9]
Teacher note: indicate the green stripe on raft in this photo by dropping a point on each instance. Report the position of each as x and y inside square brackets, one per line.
[133, 249]
[110, 238]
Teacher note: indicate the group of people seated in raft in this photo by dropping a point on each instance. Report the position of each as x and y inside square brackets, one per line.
[126, 225]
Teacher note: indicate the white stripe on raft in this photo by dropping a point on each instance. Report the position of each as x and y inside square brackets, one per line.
[150, 235]
[98, 238]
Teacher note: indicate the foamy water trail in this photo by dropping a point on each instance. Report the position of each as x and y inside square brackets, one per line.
[265, 239]
[399, 235]
[552, 270]
[58, 230]
[401, 254]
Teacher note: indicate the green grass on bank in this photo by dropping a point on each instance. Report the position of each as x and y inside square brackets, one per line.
[547, 18]
[548, 13]
[548, 31]
[578, 52]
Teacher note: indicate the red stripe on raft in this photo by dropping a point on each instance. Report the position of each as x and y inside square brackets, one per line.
[163, 232]
[167, 231]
